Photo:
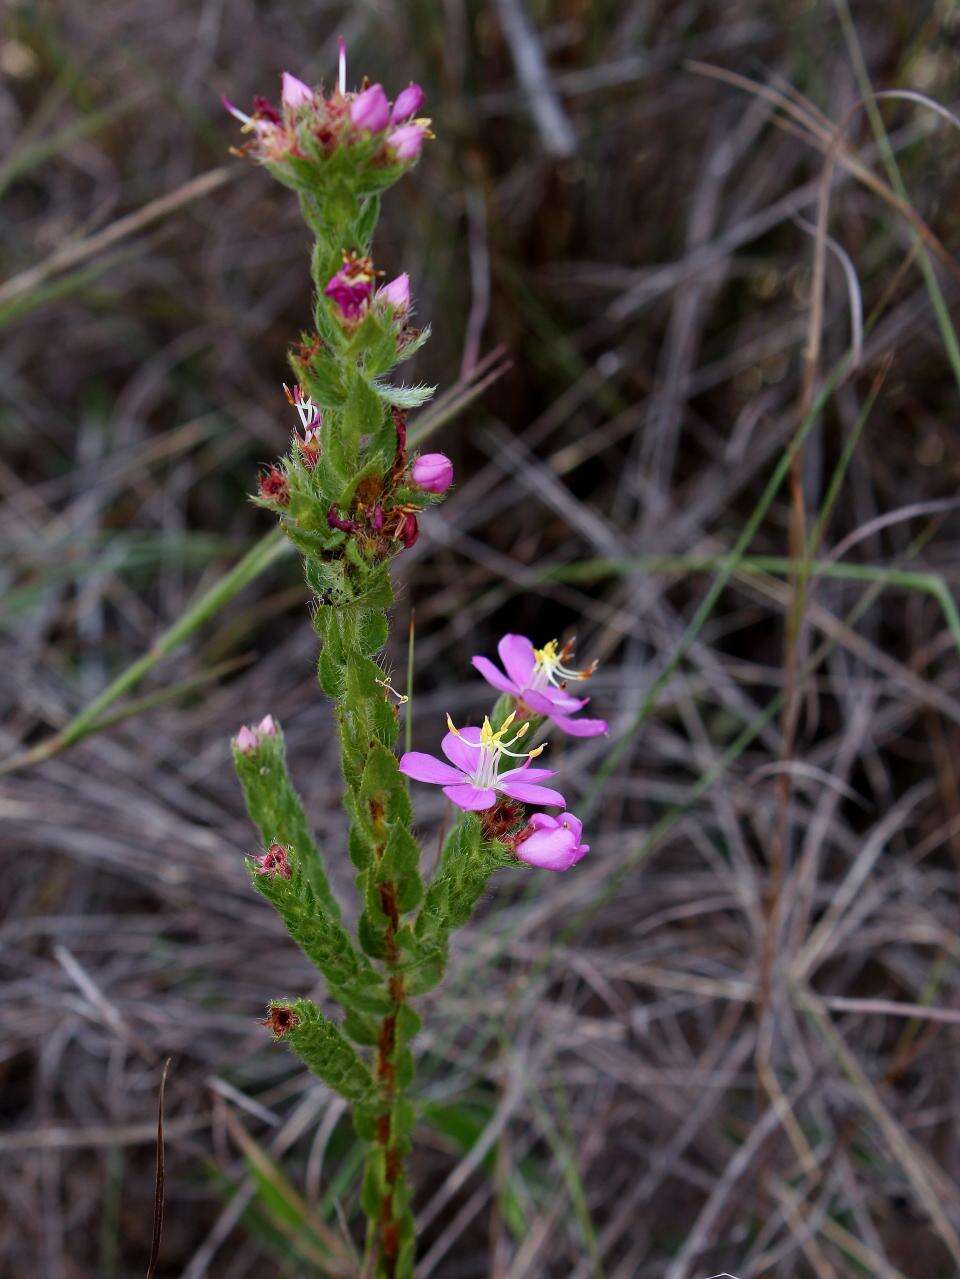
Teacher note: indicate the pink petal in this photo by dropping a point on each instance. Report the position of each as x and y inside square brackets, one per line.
[528, 774]
[549, 849]
[493, 675]
[573, 824]
[531, 794]
[543, 821]
[427, 768]
[472, 798]
[516, 653]
[294, 93]
[544, 703]
[581, 727]
[458, 752]
[563, 700]
[581, 853]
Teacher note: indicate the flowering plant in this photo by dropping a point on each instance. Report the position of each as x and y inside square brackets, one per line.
[349, 496]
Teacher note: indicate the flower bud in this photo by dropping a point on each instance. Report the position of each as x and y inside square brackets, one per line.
[336, 521]
[274, 863]
[409, 530]
[433, 472]
[267, 726]
[246, 741]
[370, 110]
[294, 93]
[407, 141]
[273, 486]
[396, 293]
[408, 103]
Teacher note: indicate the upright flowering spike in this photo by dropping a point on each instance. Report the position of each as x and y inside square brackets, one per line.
[294, 93]
[537, 678]
[432, 472]
[396, 294]
[407, 141]
[552, 843]
[408, 103]
[246, 741]
[475, 778]
[351, 287]
[370, 110]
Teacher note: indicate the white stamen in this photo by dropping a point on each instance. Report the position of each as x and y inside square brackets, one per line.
[343, 65]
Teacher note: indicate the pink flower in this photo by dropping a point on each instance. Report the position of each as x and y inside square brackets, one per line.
[473, 778]
[294, 93]
[267, 726]
[370, 110]
[407, 141]
[246, 741]
[537, 677]
[351, 287]
[396, 293]
[432, 472]
[552, 843]
[408, 103]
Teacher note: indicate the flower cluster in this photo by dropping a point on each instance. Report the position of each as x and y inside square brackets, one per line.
[248, 739]
[475, 777]
[309, 126]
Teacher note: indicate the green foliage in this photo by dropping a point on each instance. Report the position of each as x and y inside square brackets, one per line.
[275, 809]
[321, 1047]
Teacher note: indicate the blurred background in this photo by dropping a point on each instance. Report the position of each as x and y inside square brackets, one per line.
[728, 1040]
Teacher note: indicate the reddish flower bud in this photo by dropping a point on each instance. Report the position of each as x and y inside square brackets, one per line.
[433, 472]
[376, 522]
[246, 741]
[370, 110]
[409, 530]
[274, 863]
[408, 103]
[281, 1020]
[273, 486]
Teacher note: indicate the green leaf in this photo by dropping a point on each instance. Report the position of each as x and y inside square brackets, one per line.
[322, 1047]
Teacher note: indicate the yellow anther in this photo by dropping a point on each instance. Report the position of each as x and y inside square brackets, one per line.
[537, 750]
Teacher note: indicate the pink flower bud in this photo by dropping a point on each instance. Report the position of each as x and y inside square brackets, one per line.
[376, 522]
[407, 141]
[370, 110]
[433, 472]
[397, 293]
[246, 741]
[294, 92]
[408, 103]
[267, 726]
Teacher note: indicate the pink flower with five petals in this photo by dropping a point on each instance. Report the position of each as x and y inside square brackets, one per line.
[537, 677]
[472, 779]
